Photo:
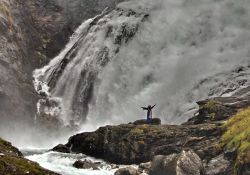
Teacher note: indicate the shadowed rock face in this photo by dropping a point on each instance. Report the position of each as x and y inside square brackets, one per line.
[130, 143]
[31, 33]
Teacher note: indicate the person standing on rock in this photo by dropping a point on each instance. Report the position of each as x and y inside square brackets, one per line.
[149, 112]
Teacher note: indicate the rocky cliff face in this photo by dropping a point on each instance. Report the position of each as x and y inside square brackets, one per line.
[31, 33]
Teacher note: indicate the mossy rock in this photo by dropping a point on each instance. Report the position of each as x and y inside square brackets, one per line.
[7, 149]
[19, 166]
[237, 136]
[13, 163]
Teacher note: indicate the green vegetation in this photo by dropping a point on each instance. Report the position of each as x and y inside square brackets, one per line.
[16, 165]
[144, 129]
[237, 136]
[211, 105]
[12, 162]
[137, 131]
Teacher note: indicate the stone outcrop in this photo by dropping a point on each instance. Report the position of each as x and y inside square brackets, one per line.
[218, 109]
[129, 143]
[191, 148]
[12, 162]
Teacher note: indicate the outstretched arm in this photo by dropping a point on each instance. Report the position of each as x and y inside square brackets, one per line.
[144, 108]
[153, 106]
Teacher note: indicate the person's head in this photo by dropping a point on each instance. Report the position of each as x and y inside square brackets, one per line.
[149, 106]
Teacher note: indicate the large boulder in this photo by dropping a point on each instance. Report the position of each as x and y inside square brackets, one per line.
[189, 163]
[185, 163]
[162, 165]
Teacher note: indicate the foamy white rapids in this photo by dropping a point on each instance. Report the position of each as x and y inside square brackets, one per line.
[63, 163]
[179, 45]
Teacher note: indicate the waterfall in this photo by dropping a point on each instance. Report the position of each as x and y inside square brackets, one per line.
[171, 52]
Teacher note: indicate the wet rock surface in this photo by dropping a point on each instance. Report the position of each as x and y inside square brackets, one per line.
[61, 148]
[191, 148]
[86, 164]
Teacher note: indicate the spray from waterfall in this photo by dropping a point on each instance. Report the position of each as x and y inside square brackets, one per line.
[146, 52]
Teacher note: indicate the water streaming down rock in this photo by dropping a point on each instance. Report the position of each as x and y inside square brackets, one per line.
[146, 52]
[66, 84]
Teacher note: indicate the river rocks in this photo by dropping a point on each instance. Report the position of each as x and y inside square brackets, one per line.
[189, 163]
[154, 121]
[144, 167]
[162, 165]
[219, 166]
[127, 171]
[61, 148]
[86, 164]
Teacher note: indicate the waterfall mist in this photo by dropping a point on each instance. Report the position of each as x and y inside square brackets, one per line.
[144, 52]
[182, 43]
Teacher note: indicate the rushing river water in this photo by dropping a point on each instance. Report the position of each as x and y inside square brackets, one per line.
[63, 163]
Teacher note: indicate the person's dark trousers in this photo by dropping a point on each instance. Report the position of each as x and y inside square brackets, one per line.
[149, 119]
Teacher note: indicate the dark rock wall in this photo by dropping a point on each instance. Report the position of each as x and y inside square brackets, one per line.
[31, 33]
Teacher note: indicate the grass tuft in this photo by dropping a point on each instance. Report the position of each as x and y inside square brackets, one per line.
[237, 136]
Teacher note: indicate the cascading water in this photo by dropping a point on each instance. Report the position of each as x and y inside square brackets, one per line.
[169, 52]
[67, 82]
[146, 52]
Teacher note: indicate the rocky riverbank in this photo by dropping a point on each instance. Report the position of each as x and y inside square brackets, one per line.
[194, 147]
[12, 162]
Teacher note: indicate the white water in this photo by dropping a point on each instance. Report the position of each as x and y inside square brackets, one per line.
[63, 163]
